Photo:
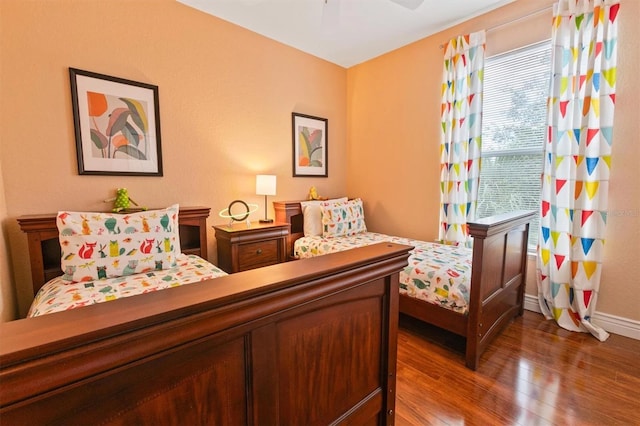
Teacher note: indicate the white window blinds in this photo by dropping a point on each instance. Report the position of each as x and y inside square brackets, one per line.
[513, 131]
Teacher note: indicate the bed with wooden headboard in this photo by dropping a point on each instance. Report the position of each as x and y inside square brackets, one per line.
[44, 245]
[498, 275]
[306, 342]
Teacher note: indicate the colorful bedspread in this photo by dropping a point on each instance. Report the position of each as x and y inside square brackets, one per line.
[436, 273]
[59, 295]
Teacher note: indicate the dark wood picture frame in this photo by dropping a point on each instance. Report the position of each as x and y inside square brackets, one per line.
[310, 145]
[117, 125]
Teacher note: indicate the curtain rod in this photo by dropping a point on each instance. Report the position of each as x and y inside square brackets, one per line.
[513, 21]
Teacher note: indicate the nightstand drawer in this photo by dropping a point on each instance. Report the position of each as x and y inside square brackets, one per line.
[244, 246]
[258, 254]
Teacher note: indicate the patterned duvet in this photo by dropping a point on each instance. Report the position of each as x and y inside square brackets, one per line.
[436, 273]
[58, 295]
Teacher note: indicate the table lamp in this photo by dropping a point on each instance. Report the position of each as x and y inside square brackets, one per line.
[265, 185]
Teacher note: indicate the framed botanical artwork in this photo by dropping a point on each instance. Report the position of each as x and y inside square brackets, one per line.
[310, 145]
[117, 125]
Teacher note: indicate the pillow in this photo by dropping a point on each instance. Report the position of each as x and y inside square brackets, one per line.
[312, 216]
[108, 245]
[342, 219]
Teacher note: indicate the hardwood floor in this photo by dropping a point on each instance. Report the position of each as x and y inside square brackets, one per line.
[534, 373]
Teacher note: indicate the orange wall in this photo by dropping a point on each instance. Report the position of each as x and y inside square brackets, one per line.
[226, 98]
[394, 132]
[7, 307]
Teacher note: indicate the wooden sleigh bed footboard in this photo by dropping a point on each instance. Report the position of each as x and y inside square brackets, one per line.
[499, 270]
[498, 274]
[307, 342]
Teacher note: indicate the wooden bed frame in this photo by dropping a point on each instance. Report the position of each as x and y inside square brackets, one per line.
[499, 271]
[307, 342]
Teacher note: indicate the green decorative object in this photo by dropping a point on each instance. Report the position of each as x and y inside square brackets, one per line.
[122, 200]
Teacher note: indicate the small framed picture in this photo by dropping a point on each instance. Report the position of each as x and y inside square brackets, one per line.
[310, 145]
[117, 125]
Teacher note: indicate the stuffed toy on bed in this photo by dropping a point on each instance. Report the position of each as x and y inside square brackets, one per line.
[313, 194]
[122, 201]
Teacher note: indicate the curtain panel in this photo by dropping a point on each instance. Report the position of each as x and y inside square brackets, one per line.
[577, 161]
[460, 144]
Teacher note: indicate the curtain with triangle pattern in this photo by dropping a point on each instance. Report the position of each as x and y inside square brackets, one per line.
[461, 140]
[575, 177]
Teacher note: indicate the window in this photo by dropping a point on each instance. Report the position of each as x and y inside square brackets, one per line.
[513, 132]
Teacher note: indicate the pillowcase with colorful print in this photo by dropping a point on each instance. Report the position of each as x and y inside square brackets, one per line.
[108, 245]
[345, 218]
[312, 217]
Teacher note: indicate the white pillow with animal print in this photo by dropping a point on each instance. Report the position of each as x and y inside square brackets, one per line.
[340, 219]
[312, 216]
[107, 245]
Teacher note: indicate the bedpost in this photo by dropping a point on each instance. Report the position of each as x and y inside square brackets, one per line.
[290, 212]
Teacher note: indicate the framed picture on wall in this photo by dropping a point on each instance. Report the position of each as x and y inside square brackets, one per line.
[117, 125]
[310, 145]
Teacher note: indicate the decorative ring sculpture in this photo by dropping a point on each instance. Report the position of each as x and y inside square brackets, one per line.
[238, 216]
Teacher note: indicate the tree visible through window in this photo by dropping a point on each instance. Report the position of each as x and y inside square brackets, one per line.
[513, 132]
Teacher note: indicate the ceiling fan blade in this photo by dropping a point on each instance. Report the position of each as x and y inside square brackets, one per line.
[409, 4]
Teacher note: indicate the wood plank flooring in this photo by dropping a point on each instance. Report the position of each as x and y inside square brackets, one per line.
[534, 373]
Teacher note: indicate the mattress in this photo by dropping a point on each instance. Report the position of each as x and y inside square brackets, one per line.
[436, 273]
[59, 295]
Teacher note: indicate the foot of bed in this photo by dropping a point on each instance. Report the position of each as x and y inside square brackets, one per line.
[471, 363]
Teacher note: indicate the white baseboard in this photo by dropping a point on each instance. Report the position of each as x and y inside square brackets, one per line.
[611, 323]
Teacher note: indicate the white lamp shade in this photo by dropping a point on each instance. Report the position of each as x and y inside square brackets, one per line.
[265, 185]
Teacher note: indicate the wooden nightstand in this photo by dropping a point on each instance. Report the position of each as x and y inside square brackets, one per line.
[242, 247]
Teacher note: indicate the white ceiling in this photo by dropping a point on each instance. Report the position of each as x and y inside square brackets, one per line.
[345, 32]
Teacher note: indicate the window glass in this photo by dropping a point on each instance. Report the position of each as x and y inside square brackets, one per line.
[513, 132]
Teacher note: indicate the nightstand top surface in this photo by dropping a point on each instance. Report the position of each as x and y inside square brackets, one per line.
[242, 226]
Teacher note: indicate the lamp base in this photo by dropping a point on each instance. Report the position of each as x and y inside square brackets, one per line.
[266, 220]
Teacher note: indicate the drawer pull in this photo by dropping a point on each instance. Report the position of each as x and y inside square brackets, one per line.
[259, 251]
